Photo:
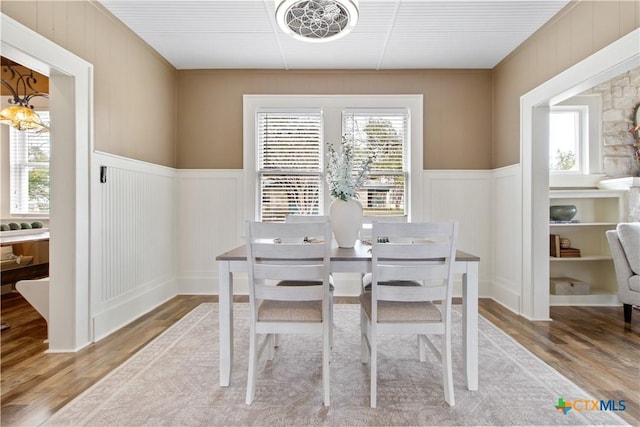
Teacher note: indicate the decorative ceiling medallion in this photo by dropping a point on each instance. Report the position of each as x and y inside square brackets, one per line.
[317, 20]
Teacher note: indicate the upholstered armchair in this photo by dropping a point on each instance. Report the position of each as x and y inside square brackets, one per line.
[625, 249]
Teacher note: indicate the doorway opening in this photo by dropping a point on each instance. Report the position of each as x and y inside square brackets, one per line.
[617, 58]
[70, 90]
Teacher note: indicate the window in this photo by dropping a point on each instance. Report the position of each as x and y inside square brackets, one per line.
[285, 140]
[289, 163]
[575, 147]
[568, 140]
[385, 134]
[29, 170]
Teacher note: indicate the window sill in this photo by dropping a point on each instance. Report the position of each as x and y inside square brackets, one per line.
[558, 180]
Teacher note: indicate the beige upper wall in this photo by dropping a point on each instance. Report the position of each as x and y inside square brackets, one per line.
[457, 110]
[579, 30]
[134, 87]
[135, 95]
[471, 117]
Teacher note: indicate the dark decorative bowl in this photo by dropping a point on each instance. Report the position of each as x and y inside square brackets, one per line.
[562, 212]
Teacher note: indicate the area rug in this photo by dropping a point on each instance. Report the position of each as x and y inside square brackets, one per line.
[173, 381]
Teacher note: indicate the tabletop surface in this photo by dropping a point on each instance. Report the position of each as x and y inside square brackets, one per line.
[359, 252]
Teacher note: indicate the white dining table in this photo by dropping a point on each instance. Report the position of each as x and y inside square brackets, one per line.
[350, 260]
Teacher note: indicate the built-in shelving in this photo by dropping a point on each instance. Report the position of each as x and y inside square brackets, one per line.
[31, 243]
[583, 258]
[598, 211]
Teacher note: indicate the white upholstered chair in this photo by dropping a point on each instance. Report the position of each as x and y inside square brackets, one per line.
[624, 242]
[293, 252]
[409, 272]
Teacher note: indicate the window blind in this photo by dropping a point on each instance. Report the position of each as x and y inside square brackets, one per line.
[383, 133]
[29, 170]
[289, 163]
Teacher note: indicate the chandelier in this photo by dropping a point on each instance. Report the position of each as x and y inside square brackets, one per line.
[316, 20]
[20, 115]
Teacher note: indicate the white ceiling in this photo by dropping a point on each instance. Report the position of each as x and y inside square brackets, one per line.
[391, 34]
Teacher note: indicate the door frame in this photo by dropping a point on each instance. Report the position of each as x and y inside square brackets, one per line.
[614, 59]
[71, 101]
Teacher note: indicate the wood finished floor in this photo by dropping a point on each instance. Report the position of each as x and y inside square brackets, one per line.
[589, 345]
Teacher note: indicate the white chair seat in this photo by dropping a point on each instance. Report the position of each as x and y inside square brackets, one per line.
[396, 311]
[290, 311]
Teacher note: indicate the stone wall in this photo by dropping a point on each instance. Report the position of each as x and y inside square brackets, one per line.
[620, 95]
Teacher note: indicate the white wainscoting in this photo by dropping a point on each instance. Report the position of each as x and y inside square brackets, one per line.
[507, 237]
[210, 222]
[132, 241]
[464, 196]
[156, 232]
[485, 203]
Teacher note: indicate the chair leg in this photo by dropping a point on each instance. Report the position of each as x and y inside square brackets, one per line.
[422, 348]
[627, 312]
[374, 368]
[331, 320]
[253, 365]
[447, 371]
[271, 344]
[326, 352]
[365, 355]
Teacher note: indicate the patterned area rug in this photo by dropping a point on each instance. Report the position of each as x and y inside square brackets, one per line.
[173, 381]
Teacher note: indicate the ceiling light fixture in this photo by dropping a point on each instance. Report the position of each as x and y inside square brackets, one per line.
[20, 115]
[317, 20]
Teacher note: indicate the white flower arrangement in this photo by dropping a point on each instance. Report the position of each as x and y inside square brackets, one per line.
[343, 182]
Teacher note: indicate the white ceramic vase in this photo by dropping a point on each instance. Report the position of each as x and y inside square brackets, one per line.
[346, 221]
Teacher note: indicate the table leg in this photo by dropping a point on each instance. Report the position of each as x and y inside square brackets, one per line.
[225, 307]
[470, 325]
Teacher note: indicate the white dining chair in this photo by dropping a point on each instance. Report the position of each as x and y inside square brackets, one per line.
[411, 270]
[367, 224]
[297, 218]
[293, 252]
[365, 236]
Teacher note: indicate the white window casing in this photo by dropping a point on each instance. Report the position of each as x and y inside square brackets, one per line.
[29, 167]
[588, 108]
[385, 134]
[289, 163]
[337, 114]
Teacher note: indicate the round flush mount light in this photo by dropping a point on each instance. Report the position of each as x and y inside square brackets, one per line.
[317, 20]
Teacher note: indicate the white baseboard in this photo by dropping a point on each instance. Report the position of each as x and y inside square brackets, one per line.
[503, 294]
[198, 285]
[119, 315]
